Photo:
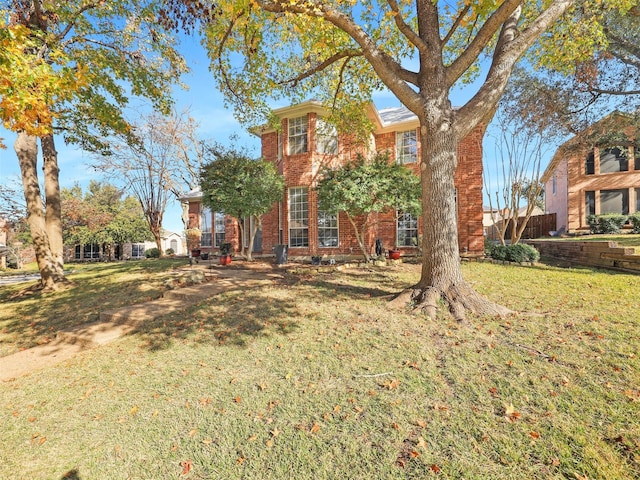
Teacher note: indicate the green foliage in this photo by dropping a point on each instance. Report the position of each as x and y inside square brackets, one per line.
[367, 186]
[518, 253]
[607, 223]
[170, 251]
[152, 253]
[101, 216]
[635, 222]
[240, 186]
[225, 248]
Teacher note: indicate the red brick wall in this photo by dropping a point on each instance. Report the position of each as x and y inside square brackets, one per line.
[301, 171]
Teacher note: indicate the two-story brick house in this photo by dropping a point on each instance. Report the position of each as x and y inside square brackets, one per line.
[594, 174]
[302, 146]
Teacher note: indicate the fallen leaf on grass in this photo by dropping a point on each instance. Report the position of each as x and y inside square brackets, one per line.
[134, 410]
[186, 466]
[314, 428]
[510, 413]
[435, 468]
[535, 435]
[391, 384]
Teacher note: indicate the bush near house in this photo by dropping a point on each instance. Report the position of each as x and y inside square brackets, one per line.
[152, 253]
[607, 223]
[518, 253]
[635, 222]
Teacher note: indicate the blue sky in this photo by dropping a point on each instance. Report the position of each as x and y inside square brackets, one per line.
[206, 106]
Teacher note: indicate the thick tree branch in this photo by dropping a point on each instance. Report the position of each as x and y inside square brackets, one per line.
[510, 46]
[406, 30]
[481, 40]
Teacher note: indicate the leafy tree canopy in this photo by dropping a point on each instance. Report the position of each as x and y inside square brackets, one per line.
[101, 215]
[368, 186]
[240, 186]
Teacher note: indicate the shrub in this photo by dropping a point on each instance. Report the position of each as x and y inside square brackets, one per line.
[607, 223]
[170, 251]
[518, 253]
[152, 253]
[635, 222]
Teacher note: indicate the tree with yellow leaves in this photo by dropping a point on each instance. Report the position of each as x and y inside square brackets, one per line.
[70, 68]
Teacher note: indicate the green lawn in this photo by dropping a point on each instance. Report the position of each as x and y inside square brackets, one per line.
[315, 378]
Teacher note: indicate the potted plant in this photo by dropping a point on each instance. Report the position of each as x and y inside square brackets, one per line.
[394, 254]
[193, 241]
[225, 254]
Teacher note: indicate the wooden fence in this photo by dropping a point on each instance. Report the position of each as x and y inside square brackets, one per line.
[537, 226]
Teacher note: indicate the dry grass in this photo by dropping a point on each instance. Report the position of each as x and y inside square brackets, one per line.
[315, 377]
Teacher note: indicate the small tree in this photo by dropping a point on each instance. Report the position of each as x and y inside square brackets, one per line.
[240, 187]
[363, 188]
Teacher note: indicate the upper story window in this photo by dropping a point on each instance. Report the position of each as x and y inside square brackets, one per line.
[406, 147]
[297, 135]
[590, 164]
[326, 138]
[554, 184]
[613, 160]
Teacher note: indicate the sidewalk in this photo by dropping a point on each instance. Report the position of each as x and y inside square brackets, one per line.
[121, 321]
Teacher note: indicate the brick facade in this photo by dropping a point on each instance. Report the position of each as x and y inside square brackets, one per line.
[567, 181]
[302, 169]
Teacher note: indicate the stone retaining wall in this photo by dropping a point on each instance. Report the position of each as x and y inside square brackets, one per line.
[604, 254]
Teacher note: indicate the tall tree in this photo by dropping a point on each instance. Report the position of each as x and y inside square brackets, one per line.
[71, 67]
[240, 187]
[102, 215]
[366, 187]
[164, 161]
[342, 51]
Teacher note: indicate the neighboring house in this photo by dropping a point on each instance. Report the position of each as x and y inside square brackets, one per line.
[302, 147]
[594, 173]
[126, 251]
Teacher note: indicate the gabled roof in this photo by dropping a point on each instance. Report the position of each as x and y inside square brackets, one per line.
[614, 120]
[195, 194]
[386, 119]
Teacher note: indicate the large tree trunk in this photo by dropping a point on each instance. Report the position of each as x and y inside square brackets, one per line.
[53, 209]
[51, 271]
[441, 277]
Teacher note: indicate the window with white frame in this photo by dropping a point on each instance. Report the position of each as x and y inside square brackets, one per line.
[326, 138]
[406, 147]
[205, 227]
[297, 135]
[554, 184]
[91, 250]
[219, 229]
[137, 250]
[327, 229]
[407, 230]
[299, 217]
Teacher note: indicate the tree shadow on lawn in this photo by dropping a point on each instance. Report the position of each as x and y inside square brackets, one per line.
[29, 318]
[227, 319]
[345, 285]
